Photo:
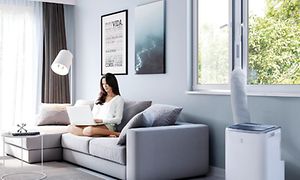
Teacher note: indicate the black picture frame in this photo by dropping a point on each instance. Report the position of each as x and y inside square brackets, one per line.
[114, 43]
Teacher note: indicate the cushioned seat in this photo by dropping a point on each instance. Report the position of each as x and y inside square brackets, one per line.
[103, 147]
[107, 148]
[33, 143]
[77, 143]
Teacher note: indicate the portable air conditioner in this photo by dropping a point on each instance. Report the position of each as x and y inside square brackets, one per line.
[253, 152]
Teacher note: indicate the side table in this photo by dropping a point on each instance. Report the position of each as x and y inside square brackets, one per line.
[41, 173]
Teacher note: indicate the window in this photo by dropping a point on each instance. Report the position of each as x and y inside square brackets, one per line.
[263, 35]
[20, 36]
[212, 43]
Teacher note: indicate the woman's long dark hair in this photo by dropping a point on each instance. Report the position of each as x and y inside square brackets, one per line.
[112, 81]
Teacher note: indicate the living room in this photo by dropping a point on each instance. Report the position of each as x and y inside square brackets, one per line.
[175, 85]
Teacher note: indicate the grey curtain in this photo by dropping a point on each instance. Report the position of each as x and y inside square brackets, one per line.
[55, 88]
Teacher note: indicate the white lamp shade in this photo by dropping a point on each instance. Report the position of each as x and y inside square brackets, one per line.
[61, 64]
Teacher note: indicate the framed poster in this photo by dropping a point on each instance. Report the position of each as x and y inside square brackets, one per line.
[150, 38]
[114, 37]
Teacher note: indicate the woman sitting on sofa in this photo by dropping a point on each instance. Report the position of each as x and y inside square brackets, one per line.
[107, 109]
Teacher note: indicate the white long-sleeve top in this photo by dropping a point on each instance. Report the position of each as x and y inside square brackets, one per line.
[111, 111]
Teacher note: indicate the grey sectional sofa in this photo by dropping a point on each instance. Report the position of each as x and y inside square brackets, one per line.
[166, 152]
[163, 152]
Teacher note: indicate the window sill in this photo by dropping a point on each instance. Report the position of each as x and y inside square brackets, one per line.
[209, 92]
[227, 93]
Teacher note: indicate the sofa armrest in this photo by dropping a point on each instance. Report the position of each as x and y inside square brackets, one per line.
[167, 152]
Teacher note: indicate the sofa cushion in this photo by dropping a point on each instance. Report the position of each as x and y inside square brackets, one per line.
[131, 108]
[76, 143]
[107, 148]
[161, 114]
[135, 122]
[53, 114]
[34, 142]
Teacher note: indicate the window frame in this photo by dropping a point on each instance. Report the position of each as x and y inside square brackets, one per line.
[206, 88]
[238, 37]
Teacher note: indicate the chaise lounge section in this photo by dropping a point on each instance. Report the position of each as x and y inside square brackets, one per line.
[29, 148]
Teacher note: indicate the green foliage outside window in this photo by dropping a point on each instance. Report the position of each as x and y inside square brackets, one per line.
[213, 55]
[274, 44]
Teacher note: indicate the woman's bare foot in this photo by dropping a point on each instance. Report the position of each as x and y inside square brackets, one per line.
[116, 134]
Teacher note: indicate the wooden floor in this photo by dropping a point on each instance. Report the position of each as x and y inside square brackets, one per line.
[214, 174]
[52, 169]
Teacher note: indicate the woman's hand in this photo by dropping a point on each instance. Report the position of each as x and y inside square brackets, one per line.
[98, 120]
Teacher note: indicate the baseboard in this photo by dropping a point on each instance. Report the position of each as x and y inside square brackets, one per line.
[217, 172]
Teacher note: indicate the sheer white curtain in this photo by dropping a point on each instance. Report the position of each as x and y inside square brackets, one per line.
[20, 55]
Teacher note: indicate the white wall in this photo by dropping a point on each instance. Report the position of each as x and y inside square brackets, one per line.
[170, 88]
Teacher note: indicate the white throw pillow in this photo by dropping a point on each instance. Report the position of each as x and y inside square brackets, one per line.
[53, 114]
